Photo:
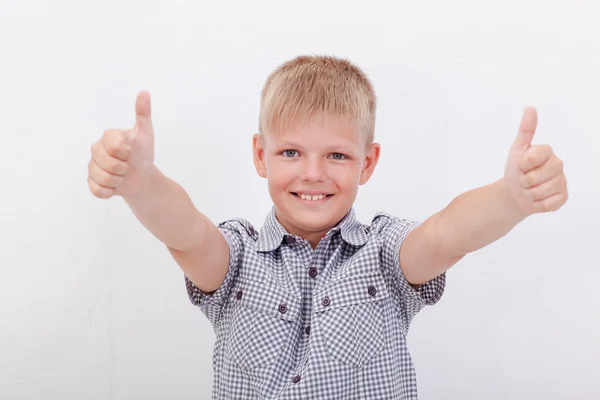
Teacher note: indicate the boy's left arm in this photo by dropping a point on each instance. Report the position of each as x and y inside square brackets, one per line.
[533, 182]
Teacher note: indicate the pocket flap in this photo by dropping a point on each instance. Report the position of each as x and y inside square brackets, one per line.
[266, 298]
[357, 289]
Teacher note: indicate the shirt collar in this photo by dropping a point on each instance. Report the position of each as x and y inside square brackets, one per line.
[272, 234]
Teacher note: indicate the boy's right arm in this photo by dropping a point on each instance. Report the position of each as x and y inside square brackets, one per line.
[198, 247]
[122, 163]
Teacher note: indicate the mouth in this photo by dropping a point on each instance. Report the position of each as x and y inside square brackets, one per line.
[312, 197]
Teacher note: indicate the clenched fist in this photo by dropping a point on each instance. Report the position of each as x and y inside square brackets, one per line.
[534, 175]
[122, 160]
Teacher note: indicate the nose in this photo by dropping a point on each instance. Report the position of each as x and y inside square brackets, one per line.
[313, 169]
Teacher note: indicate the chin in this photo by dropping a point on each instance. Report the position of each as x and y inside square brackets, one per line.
[314, 220]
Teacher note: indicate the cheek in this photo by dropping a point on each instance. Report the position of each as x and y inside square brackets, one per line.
[279, 175]
[346, 176]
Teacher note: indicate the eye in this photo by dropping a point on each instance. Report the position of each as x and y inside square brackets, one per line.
[289, 153]
[338, 156]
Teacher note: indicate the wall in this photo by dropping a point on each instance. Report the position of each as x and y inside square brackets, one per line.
[93, 307]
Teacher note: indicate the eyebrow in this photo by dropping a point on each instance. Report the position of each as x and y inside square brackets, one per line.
[346, 148]
[287, 143]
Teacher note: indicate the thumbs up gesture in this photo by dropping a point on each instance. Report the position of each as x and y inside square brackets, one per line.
[122, 160]
[534, 176]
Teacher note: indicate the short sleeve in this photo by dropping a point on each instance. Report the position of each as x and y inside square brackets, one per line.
[409, 300]
[211, 304]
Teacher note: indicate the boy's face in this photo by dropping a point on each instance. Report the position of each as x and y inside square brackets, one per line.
[313, 173]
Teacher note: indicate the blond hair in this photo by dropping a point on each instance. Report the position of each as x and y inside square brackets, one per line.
[308, 86]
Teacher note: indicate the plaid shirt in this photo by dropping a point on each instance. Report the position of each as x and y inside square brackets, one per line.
[330, 323]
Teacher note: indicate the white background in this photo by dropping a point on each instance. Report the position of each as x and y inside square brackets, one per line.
[93, 307]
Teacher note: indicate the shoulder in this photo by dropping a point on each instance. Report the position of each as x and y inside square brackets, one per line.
[239, 226]
[382, 222]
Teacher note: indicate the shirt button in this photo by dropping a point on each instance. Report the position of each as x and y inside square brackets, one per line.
[290, 239]
[312, 271]
[251, 230]
[326, 301]
[238, 295]
[282, 308]
[307, 330]
[372, 290]
[296, 379]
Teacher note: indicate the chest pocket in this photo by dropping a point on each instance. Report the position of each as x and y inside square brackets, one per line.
[261, 323]
[350, 313]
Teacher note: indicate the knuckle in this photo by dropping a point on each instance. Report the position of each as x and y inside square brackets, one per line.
[109, 133]
[98, 190]
[543, 150]
[112, 147]
[101, 177]
[109, 180]
[546, 206]
[113, 140]
[531, 157]
[114, 166]
[530, 179]
[95, 149]
[105, 181]
[100, 193]
[554, 203]
[529, 160]
[562, 181]
[107, 193]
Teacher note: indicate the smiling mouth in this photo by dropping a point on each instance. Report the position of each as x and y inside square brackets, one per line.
[315, 197]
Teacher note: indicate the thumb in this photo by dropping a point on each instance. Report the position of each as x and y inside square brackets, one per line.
[527, 128]
[143, 114]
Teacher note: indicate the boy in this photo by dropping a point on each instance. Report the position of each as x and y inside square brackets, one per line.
[316, 305]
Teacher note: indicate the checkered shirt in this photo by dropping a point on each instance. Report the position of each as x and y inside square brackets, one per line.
[330, 323]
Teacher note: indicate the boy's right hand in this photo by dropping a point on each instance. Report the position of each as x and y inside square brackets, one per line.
[122, 160]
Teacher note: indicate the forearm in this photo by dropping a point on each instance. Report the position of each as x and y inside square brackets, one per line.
[475, 219]
[166, 210]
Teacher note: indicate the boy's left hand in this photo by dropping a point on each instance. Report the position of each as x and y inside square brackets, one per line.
[534, 176]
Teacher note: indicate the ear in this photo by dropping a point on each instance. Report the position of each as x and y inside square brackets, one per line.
[371, 159]
[258, 152]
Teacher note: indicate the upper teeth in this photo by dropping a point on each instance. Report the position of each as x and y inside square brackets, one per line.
[313, 197]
